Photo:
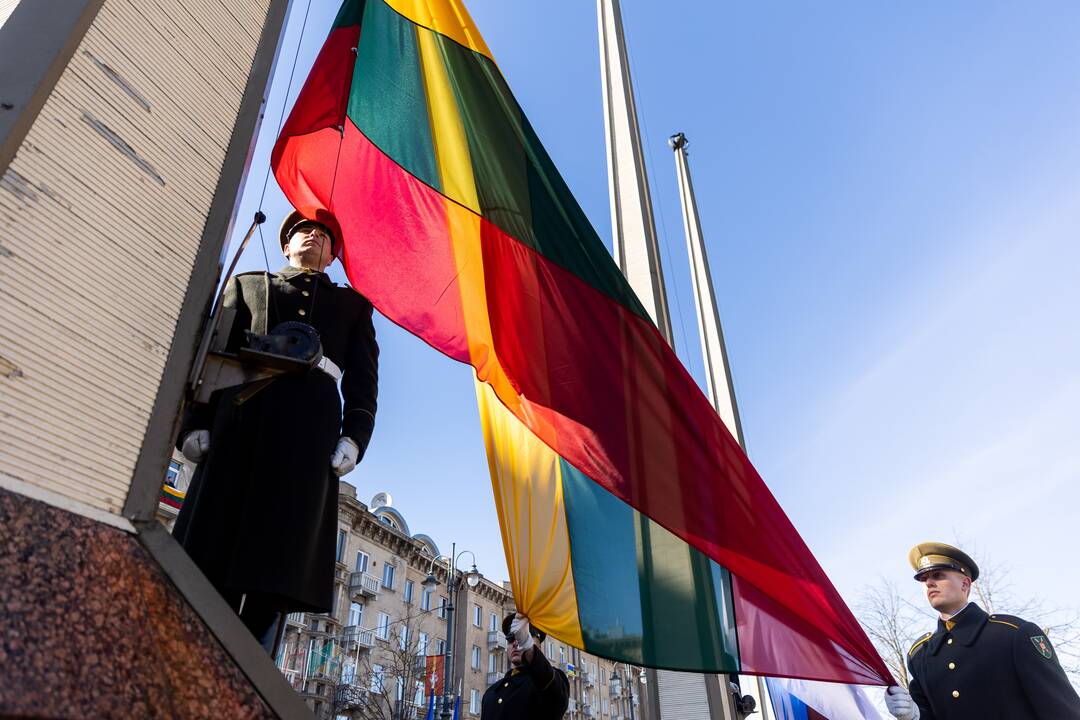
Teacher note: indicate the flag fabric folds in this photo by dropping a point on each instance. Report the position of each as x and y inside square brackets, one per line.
[635, 526]
[806, 700]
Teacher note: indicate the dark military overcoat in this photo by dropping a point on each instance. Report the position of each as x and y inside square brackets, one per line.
[261, 511]
[535, 691]
[989, 667]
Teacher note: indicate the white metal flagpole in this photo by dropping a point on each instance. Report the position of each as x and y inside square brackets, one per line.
[637, 250]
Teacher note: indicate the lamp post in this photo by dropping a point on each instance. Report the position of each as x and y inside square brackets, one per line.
[472, 577]
[617, 680]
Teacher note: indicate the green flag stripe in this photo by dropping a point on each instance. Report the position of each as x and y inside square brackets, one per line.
[388, 101]
[518, 186]
[682, 616]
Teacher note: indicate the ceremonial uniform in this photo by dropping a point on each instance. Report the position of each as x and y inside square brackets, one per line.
[534, 691]
[977, 666]
[261, 513]
[989, 666]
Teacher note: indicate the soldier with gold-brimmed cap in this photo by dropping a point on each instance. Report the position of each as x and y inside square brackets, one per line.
[976, 665]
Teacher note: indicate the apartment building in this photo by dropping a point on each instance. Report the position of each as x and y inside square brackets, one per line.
[373, 656]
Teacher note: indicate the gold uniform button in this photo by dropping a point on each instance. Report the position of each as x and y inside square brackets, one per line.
[952, 666]
[307, 280]
[956, 693]
[305, 293]
[947, 642]
[506, 684]
[500, 701]
[304, 312]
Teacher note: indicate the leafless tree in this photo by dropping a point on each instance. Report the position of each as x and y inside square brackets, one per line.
[893, 623]
[387, 681]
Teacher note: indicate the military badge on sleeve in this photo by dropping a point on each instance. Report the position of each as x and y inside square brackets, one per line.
[1043, 646]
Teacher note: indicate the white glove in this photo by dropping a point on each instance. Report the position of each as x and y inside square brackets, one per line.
[344, 458]
[196, 445]
[900, 704]
[519, 628]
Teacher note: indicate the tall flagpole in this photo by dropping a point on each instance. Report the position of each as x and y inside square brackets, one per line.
[718, 382]
[720, 389]
[637, 251]
[632, 226]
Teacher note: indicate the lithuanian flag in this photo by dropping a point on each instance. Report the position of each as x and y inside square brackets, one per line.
[634, 525]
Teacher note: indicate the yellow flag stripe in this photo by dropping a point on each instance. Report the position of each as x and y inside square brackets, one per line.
[446, 17]
[525, 474]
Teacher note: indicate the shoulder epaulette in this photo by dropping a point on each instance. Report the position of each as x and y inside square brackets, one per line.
[919, 643]
[1010, 620]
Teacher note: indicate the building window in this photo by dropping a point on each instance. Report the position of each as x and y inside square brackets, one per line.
[418, 696]
[421, 644]
[493, 662]
[477, 614]
[440, 646]
[376, 678]
[408, 591]
[361, 561]
[348, 673]
[341, 536]
[382, 629]
[493, 622]
[442, 607]
[475, 657]
[425, 599]
[388, 576]
[356, 614]
[474, 701]
[403, 638]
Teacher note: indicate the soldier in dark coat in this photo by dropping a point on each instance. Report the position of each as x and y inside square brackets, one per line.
[532, 689]
[975, 665]
[260, 516]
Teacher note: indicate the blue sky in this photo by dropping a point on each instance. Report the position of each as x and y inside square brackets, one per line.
[890, 195]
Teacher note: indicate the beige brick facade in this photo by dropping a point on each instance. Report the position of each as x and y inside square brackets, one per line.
[351, 663]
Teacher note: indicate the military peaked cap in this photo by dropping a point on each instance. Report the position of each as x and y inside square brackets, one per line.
[925, 557]
[295, 219]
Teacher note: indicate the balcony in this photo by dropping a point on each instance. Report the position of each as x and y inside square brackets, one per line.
[361, 584]
[494, 677]
[351, 696]
[587, 710]
[354, 636]
[496, 641]
[572, 707]
[587, 678]
[295, 619]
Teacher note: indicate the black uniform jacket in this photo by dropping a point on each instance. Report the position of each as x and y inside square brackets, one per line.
[535, 691]
[260, 515]
[989, 667]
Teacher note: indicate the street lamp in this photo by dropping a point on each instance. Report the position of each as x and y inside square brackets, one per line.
[617, 681]
[453, 583]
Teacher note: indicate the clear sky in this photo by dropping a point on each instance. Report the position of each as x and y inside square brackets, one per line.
[890, 194]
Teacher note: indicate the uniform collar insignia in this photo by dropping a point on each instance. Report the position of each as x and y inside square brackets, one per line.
[966, 626]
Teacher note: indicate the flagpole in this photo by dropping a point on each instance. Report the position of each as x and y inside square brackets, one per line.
[719, 385]
[637, 250]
